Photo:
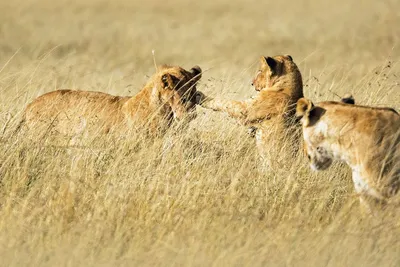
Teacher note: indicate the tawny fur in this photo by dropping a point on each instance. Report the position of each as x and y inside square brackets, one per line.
[169, 94]
[271, 112]
[366, 138]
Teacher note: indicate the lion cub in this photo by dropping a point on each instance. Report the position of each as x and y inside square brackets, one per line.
[168, 95]
[272, 112]
[366, 138]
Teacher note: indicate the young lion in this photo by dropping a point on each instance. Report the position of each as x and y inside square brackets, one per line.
[272, 111]
[366, 138]
[168, 95]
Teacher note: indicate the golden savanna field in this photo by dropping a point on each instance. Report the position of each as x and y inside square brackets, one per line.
[195, 197]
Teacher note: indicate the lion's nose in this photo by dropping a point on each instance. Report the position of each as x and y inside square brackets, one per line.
[199, 97]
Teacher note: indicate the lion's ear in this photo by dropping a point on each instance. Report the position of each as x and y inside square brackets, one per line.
[263, 61]
[268, 62]
[196, 71]
[348, 99]
[271, 62]
[309, 113]
[303, 106]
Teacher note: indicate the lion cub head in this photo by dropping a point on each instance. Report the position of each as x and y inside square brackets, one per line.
[278, 73]
[315, 134]
[175, 87]
[317, 143]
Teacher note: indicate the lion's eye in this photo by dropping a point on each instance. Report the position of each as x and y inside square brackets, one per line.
[320, 149]
[308, 156]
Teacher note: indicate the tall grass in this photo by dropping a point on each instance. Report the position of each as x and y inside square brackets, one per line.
[195, 197]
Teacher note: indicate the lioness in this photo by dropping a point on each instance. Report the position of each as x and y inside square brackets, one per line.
[366, 138]
[168, 95]
[272, 111]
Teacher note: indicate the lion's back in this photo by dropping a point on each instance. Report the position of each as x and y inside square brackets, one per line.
[71, 111]
[370, 121]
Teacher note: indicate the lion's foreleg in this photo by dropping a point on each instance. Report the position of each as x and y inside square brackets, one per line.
[235, 109]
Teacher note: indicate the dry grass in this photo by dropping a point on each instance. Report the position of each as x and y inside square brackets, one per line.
[202, 201]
